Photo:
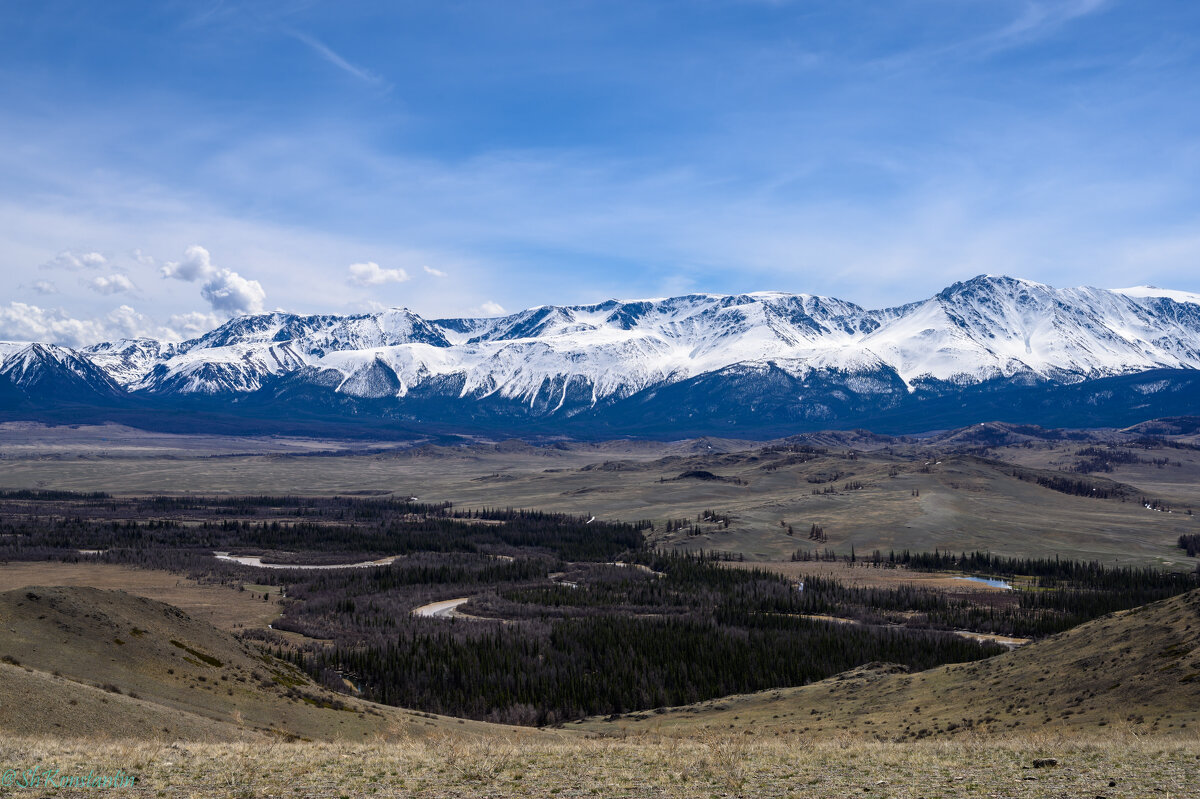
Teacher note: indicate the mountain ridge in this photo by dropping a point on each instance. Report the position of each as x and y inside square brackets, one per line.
[826, 359]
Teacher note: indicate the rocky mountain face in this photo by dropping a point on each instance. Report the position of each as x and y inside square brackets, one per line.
[752, 363]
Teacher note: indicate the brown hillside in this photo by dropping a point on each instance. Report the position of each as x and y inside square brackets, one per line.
[1138, 670]
[112, 664]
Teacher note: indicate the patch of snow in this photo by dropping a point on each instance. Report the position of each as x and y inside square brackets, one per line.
[1155, 291]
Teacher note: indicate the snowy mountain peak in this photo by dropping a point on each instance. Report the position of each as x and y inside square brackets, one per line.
[53, 371]
[127, 360]
[565, 359]
[324, 332]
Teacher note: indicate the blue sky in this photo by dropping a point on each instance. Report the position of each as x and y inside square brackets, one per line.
[164, 165]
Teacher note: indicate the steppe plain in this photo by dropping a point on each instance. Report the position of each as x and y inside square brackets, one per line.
[1059, 717]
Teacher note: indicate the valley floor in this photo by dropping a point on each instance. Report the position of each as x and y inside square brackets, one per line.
[711, 765]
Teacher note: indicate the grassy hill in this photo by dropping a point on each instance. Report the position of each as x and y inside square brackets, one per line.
[857, 734]
[1136, 671]
[93, 662]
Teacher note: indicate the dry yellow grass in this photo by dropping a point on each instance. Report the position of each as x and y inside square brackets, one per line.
[222, 606]
[93, 663]
[712, 765]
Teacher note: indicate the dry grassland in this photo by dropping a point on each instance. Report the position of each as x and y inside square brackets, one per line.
[222, 606]
[83, 662]
[1178, 479]
[710, 765]
[864, 575]
[961, 503]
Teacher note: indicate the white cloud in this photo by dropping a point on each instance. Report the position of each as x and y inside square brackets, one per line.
[429, 270]
[235, 295]
[23, 322]
[372, 274]
[194, 323]
[196, 265]
[111, 284]
[125, 322]
[45, 287]
[225, 290]
[490, 308]
[69, 260]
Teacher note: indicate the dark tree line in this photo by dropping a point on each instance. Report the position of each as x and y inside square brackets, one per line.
[614, 664]
[38, 495]
[1070, 485]
[1050, 571]
[99, 503]
[681, 629]
[1102, 459]
[341, 526]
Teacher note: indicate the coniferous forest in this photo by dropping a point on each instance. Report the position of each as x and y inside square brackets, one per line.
[563, 617]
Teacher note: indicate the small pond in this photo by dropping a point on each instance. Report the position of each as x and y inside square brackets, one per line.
[988, 581]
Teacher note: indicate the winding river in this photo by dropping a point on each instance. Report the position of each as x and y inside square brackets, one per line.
[256, 561]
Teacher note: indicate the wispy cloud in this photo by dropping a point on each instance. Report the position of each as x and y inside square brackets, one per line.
[1038, 19]
[372, 274]
[604, 153]
[76, 261]
[326, 52]
[1035, 21]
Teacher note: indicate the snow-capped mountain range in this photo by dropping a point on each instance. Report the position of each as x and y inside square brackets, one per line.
[563, 362]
